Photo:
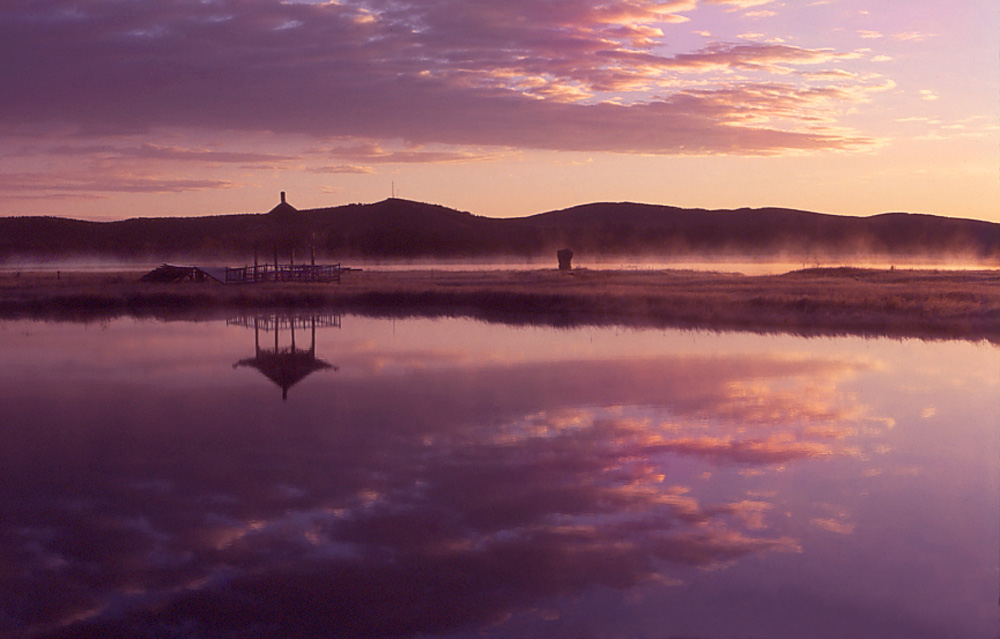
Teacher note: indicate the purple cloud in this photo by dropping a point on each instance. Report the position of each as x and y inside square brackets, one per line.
[35, 185]
[147, 151]
[527, 75]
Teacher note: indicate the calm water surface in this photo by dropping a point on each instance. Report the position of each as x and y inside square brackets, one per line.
[446, 478]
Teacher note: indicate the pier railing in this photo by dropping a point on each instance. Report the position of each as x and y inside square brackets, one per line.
[283, 273]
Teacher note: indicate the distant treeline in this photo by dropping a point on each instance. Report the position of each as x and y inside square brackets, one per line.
[401, 229]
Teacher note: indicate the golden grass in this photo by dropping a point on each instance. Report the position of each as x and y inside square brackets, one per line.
[899, 303]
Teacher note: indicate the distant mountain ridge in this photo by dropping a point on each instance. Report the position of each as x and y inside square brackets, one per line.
[403, 229]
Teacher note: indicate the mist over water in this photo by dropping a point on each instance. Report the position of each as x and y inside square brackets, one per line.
[446, 478]
[736, 263]
[746, 265]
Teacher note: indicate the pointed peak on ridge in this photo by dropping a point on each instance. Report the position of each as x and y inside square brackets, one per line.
[283, 208]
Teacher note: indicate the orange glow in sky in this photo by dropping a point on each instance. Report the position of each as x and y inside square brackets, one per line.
[124, 108]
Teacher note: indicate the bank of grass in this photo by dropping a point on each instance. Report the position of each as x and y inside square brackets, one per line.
[824, 301]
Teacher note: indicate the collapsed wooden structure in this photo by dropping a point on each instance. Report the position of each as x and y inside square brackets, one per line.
[171, 273]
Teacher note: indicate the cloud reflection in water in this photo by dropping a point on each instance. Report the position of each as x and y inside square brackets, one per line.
[395, 502]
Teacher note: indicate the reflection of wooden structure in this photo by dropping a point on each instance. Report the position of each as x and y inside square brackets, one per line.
[285, 365]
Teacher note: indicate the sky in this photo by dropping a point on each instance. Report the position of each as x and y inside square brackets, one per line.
[122, 108]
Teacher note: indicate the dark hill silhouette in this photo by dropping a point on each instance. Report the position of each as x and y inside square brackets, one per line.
[635, 227]
[402, 229]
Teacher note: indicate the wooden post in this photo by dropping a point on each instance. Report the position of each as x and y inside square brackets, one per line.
[275, 264]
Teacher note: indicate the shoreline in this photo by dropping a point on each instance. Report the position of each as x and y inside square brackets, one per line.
[925, 304]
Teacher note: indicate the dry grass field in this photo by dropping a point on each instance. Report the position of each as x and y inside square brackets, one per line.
[823, 301]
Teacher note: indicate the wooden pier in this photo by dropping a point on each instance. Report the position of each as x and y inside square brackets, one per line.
[283, 273]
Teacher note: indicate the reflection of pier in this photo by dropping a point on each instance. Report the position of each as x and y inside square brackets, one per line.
[285, 365]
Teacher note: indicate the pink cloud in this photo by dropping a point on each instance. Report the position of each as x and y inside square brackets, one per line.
[373, 153]
[740, 4]
[762, 56]
[343, 169]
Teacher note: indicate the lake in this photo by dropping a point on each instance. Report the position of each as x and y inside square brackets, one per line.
[348, 476]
